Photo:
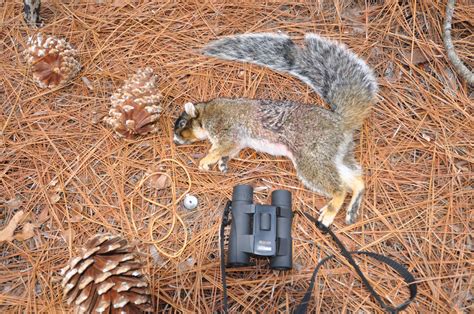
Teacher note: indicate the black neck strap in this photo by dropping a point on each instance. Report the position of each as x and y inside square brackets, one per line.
[402, 271]
[302, 307]
[225, 221]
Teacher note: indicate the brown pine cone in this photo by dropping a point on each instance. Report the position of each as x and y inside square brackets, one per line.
[106, 278]
[134, 106]
[53, 61]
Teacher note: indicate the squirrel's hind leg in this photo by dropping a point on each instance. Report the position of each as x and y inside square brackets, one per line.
[329, 212]
[350, 173]
[357, 186]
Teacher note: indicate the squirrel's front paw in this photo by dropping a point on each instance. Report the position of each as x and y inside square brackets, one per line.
[204, 165]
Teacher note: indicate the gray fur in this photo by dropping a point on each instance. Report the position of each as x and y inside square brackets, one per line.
[342, 79]
[274, 117]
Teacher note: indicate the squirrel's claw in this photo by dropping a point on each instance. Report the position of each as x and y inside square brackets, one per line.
[326, 216]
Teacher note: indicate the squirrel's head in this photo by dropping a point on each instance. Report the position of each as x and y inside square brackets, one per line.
[188, 128]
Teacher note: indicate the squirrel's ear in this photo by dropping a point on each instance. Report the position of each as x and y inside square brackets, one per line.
[190, 109]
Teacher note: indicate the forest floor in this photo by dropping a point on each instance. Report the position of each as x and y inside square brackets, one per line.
[73, 177]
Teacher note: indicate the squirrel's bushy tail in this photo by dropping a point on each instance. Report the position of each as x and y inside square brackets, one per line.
[339, 76]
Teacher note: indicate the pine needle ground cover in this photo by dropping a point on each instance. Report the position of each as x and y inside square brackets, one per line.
[65, 176]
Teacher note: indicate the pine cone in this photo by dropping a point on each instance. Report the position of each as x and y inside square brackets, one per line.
[53, 61]
[106, 277]
[134, 110]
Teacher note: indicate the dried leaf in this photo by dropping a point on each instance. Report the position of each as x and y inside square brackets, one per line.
[355, 17]
[49, 235]
[96, 117]
[160, 181]
[76, 218]
[156, 256]
[54, 198]
[76, 213]
[26, 233]
[14, 203]
[77, 208]
[187, 264]
[68, 235]
[88, 83]
[418, 57]
[392, 72]
[57, 188]
[43, 216]
[462, 165]
[354, 14]
[7, 233]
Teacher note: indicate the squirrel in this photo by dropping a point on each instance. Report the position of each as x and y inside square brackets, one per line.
[318, 141]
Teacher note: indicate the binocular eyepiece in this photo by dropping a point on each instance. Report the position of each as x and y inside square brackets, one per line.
[260, 230]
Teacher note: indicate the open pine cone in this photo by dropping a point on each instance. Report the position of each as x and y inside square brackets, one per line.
[134, 106]
[53, 61]
[106, 278]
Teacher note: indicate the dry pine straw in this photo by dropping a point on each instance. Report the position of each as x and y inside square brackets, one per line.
[64, 168]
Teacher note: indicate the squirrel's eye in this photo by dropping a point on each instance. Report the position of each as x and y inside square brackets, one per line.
[182, 123]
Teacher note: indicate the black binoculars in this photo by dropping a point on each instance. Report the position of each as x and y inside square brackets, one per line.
[260, 230]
